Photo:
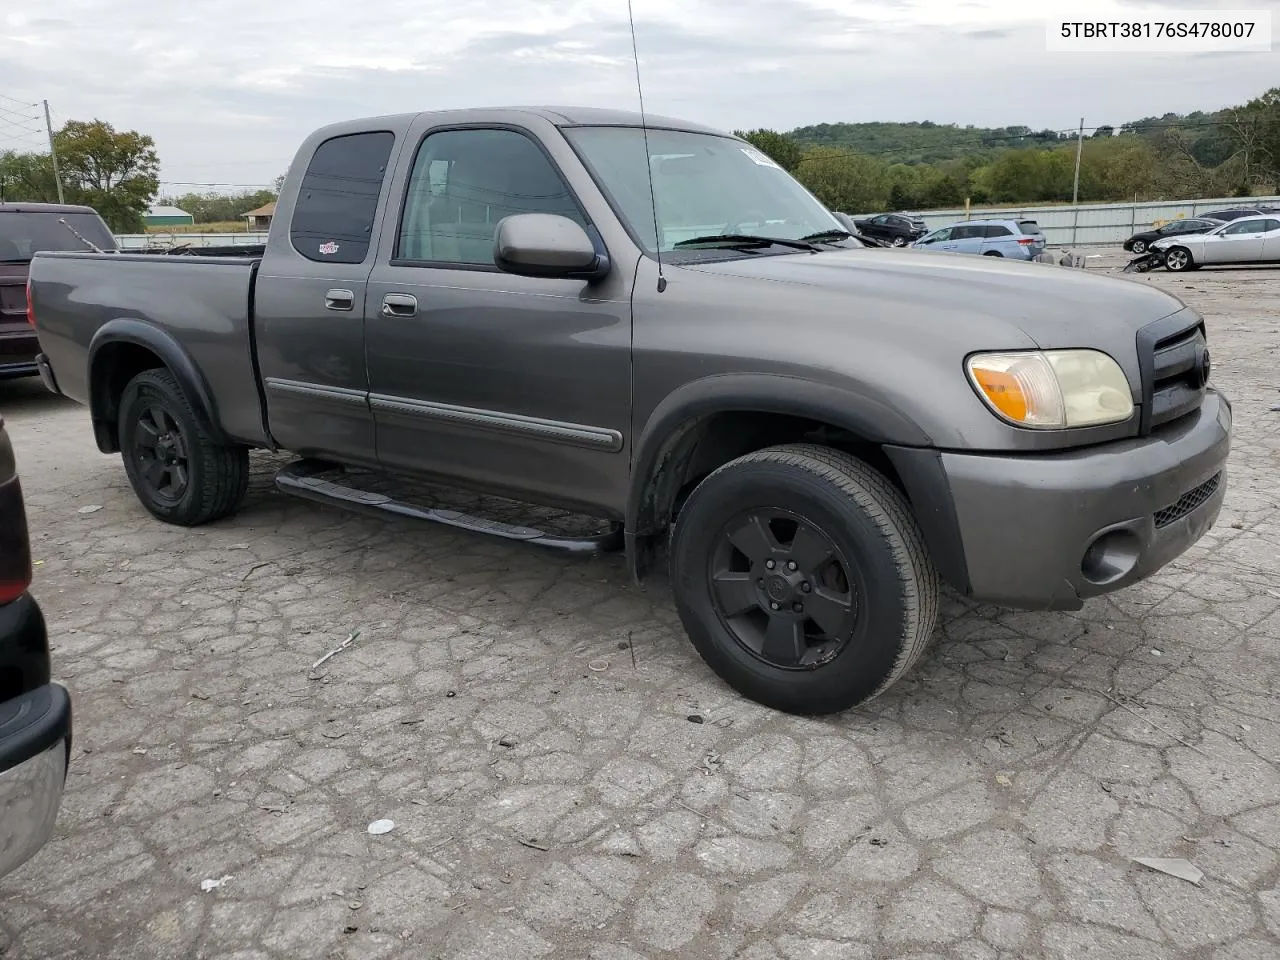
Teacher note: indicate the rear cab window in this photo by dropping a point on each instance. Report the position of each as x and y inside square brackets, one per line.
[1029, 228]
[24, 233]
[333, 217]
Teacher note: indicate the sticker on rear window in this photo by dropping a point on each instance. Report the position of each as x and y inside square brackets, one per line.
[329, 249]
[759, 158]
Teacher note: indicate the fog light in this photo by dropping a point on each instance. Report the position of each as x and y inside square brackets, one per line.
[1110, 556]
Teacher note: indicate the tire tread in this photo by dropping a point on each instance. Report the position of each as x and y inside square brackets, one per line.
[224, 468]
[891, 513]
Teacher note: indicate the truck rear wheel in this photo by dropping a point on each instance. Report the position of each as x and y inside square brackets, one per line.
[178, 472]
[802, 579]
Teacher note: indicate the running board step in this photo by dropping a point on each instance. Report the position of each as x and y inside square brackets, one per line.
[322, 482]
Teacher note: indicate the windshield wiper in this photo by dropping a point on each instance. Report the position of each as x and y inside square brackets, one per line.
[828, 236]
[746, 240]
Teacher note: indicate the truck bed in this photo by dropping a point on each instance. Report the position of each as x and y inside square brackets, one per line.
[203, 304]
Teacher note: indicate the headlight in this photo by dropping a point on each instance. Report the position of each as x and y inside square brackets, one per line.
[1052, 389]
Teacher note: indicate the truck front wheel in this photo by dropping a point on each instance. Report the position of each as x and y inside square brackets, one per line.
[178, 472]
[802, 578]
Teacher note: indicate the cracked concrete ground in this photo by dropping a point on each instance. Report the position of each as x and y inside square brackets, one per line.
[551, 797]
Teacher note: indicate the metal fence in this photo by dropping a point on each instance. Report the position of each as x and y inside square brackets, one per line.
[148, 241]
[1091, 224]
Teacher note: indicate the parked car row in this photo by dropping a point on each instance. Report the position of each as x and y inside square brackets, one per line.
[1202, 223]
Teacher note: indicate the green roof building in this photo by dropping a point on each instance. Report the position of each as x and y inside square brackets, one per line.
[167, 217]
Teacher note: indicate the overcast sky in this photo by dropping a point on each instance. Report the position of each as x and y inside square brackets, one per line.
[229, 87]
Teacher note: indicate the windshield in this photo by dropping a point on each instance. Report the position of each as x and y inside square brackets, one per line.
[703, 185]
[22, 235]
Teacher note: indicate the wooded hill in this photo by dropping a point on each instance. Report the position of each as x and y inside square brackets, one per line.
[859, 167]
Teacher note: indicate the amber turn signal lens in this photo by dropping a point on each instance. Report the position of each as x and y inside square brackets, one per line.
[1003, 392]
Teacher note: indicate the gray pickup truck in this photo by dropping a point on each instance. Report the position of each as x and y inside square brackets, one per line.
[656, 326]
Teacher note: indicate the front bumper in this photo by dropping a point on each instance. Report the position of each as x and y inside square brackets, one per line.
[1049, 531]
[35, 741]
[1029, 524]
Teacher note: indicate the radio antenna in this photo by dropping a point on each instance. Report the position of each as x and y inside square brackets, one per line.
[648, 162]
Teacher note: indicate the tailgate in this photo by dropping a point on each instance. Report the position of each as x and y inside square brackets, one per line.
[13, 297]
[18, 342]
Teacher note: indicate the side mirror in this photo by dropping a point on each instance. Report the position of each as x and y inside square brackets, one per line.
[546, 245]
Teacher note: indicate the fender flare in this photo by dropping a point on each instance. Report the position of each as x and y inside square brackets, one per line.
[675, 420]
[171, 353]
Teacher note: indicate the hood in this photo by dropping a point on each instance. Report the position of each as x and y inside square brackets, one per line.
[1054, 307]
[1181, 239]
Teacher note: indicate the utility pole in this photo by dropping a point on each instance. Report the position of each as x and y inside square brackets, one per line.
[53, 151]
[1075, 191]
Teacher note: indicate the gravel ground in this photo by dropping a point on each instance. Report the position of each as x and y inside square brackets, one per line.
[553, 796]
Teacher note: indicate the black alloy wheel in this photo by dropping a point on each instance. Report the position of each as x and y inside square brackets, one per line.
[783, 589]
[160, 452]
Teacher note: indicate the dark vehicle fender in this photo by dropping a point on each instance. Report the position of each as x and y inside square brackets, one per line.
[105, 376]
[673, 431]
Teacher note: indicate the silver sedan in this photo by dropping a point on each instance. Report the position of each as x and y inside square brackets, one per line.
[1247, 240]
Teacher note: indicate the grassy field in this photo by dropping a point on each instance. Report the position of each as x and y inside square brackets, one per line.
[225, 226]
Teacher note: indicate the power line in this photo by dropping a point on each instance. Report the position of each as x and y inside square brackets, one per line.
[190, 183]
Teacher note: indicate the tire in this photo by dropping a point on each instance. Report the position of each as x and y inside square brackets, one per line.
[1178, 260]
[1139, 247]
[899, 241]
[993, 253]
[873, 540]
[205, 480]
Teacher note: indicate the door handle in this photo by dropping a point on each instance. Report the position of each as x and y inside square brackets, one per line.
[399, 305]
[339, 300]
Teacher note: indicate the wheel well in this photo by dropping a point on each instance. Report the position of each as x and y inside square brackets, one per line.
[708, 443]
[113, 367]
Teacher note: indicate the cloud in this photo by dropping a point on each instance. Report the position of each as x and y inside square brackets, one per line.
[229, 91]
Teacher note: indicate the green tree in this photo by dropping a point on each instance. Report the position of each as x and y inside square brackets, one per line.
[847, 182]
[115, 172]
[780, 148]
[1255, 133]
[27, 176]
